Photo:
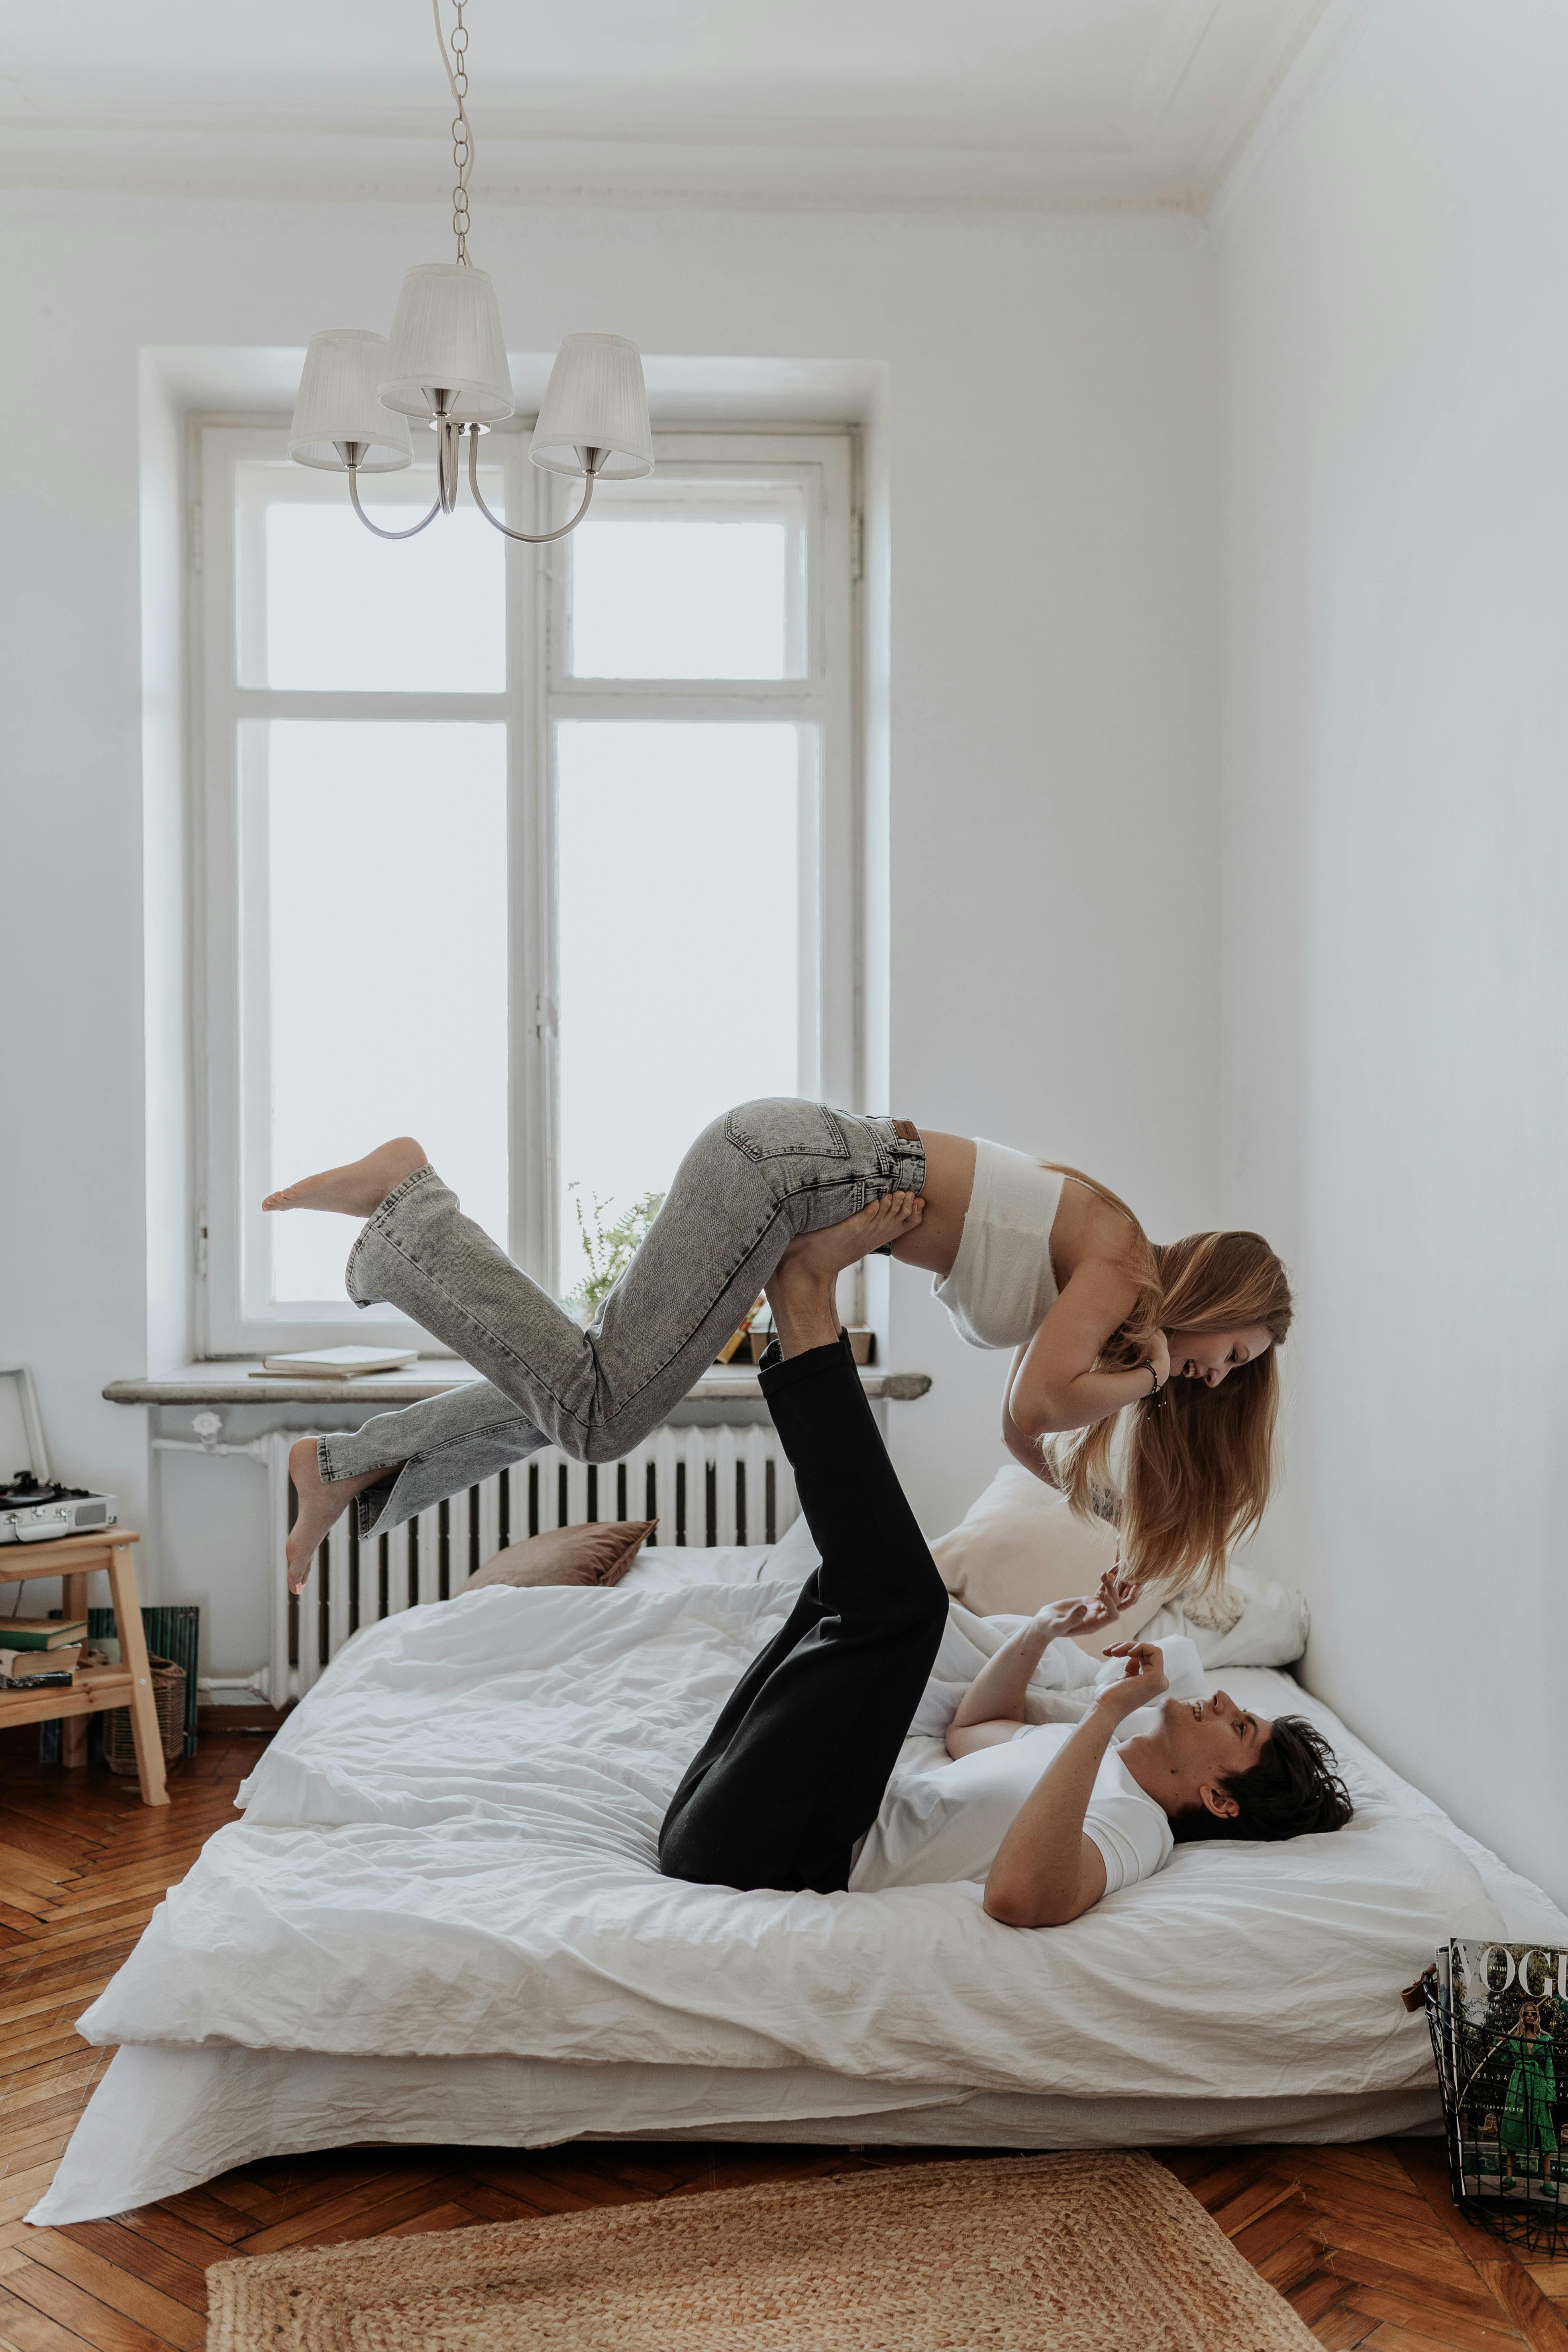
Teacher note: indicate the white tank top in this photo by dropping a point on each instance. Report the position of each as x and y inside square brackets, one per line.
[1002, 1286]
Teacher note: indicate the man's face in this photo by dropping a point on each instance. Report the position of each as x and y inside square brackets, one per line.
[1200, 1743]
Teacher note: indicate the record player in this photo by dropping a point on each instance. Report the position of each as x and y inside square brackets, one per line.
[35, 1508]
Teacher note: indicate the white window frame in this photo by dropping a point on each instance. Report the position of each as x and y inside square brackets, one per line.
[227, 1046]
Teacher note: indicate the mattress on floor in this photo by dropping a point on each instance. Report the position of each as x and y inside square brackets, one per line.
[448, 1855]
[166, 2120]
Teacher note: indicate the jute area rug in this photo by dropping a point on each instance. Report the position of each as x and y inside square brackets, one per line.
[1051, 2253]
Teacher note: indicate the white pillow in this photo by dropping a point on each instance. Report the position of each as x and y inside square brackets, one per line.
[1021, 1545]
[1271, 1628]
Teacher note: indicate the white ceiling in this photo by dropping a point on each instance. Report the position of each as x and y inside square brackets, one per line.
[1055, 102]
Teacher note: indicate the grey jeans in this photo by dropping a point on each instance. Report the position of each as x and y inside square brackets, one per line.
[751, 1182]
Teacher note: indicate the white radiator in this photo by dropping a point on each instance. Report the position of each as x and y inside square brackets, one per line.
[725, 1485]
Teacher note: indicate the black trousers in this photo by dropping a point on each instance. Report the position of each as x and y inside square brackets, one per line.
[793, 1770]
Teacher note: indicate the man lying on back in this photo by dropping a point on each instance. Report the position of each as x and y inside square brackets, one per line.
[1052, 1816]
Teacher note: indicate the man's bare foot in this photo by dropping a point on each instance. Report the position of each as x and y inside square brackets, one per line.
[358, 1189]
[827, 1253]
[801, 1289]
[321, 1506]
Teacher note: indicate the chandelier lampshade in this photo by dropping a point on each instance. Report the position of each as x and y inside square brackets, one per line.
[447, 336]
[595, 399]
[337, 410]
[446, 363]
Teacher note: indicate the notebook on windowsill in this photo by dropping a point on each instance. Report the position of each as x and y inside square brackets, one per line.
[334, 1363]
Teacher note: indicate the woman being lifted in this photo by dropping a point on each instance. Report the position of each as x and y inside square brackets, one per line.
[1174, 1343]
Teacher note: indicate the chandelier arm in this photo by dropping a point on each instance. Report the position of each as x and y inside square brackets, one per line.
[528, 538]
[418, 527]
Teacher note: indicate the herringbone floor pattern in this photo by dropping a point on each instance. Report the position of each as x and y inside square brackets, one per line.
[1362, 2240]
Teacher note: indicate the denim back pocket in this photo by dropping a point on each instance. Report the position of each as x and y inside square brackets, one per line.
[781, 1128]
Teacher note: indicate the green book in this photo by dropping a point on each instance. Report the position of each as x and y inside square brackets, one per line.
[40, 1632]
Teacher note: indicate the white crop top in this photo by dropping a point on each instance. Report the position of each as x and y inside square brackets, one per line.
[1002, 1286]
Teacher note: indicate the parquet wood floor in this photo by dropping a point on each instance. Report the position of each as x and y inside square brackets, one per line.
[1362, 2240]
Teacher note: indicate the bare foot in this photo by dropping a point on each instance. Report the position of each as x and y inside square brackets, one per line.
[801, 1289]
[321, 1506]
[358, 1189]
[835, 1247]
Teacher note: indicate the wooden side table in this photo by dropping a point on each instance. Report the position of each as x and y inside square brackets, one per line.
[130, 1683]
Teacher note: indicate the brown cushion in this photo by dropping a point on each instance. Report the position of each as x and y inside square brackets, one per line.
[599, 1553]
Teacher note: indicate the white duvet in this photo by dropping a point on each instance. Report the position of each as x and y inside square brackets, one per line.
[449, 1850]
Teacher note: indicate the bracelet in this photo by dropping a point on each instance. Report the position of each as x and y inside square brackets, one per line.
[1155, 1389]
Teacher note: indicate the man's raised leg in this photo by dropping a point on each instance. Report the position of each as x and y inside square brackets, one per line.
[794, 1768]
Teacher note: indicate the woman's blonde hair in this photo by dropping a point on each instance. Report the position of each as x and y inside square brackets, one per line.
[1197, 1463]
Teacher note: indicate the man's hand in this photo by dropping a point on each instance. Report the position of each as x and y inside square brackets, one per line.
[1090, 1612]
[1144, 1679]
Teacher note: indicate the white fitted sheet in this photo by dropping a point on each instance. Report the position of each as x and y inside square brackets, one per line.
[443, 1906]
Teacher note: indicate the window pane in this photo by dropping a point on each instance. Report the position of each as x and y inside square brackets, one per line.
[347, 612]
[679, 926]
[385, 849]
[653, 595]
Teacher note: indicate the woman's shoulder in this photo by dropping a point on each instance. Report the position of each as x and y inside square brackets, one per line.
[1090, 1228]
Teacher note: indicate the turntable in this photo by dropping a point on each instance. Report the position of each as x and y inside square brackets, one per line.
[32, 1510]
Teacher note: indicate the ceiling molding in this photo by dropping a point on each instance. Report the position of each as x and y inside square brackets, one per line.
[1279, 97]
[778, 177]
[1165, 69]
[561, 193]
[1146, 109]
[1002, 131]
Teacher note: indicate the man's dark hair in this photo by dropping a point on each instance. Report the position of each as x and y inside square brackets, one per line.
[1292, 1789]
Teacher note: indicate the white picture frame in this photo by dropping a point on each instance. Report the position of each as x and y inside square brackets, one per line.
[19, 1423]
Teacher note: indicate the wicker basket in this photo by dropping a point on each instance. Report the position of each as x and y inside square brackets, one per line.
[169, 1697]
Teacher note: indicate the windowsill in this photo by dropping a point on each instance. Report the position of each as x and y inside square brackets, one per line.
[227, 1382]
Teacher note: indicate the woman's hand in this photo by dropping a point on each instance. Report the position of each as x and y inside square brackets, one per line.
[1090, 1612]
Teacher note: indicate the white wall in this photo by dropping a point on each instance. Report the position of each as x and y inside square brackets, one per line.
[1395, 358]
[1052, 803]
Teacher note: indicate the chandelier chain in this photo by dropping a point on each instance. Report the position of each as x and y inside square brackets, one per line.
[455, 60]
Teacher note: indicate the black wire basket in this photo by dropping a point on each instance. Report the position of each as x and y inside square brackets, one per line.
[1505, 2121]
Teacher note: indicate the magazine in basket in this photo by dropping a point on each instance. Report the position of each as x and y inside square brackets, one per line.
[1507, 2020]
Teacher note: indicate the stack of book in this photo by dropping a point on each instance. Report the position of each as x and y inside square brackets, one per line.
[39, 1652]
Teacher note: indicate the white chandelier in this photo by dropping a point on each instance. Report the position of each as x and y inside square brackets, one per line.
[445, 361]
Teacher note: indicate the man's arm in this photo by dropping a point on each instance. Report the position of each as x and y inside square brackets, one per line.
[997, 1703]
[1046, 1871]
